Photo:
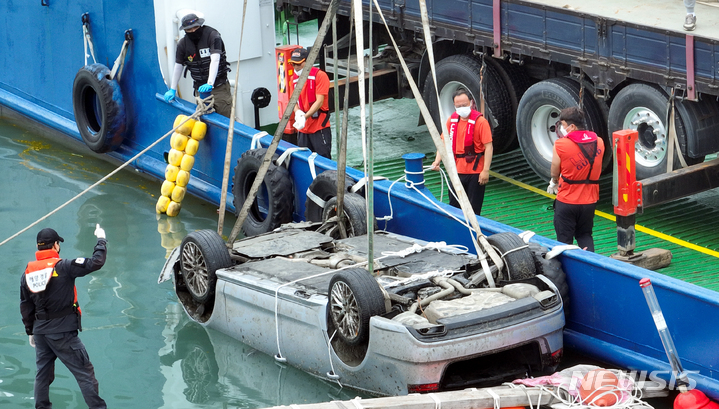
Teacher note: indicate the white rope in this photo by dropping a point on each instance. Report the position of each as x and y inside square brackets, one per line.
[417, 277]
[437, 402]
[495, 397]
[119, 62]
[333, 374]
[200, 110]
[87, 39]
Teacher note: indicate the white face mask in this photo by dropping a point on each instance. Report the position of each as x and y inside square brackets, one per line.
[463, 111]
[563, 130]
[298, 72]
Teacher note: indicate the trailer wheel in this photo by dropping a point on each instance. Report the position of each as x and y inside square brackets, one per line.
[462, 71]
[518, 259]
[202, 253]
[274, 202]
[538, 113]
[321, 190]
[355, 215]
[354, 297]
[643, 107]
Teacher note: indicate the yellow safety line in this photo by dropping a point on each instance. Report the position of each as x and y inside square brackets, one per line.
[611, 217]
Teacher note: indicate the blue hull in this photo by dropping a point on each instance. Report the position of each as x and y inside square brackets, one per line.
[608, 318]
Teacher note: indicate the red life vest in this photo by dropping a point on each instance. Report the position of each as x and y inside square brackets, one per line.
[38, 274]
[468, 138]
[310, 87]
[586, 141]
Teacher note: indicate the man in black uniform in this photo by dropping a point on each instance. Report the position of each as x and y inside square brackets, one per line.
[203, 52]
[51, 314]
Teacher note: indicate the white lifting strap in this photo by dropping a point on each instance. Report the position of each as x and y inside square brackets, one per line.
[437, 402]
[120, 62]
[315, 199]
[360, 183]
[255, 144]
[311, 162]
[287, 155]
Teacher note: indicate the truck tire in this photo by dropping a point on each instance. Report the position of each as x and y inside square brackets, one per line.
[518, 259]
[321, 190]
[516, 82]
[354, 297]
[539, 111]
[274, 203]
[462, 71]
[644, 107]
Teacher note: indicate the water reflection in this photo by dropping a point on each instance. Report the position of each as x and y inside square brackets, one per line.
[216, 368]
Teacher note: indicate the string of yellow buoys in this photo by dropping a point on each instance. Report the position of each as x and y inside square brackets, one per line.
[184, 143]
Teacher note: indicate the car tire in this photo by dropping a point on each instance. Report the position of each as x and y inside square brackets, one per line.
[202, 253]
[274, 203]
[518, 260]
[463, 71]
[537, 113]
[355, 213]
[644, 107]
[354, 297]
[321, 190]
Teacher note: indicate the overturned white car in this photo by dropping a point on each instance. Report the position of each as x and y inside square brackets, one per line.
[424, 321]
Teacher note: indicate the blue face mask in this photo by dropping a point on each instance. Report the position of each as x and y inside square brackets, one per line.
[463, 111]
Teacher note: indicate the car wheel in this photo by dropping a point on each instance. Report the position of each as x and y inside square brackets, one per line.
[202, 253]
[538, 113]
[643, 108]
[518, 260]
[354, 297]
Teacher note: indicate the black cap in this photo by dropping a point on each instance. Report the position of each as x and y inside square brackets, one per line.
[48, 236]
[190, 21]
[299, 55]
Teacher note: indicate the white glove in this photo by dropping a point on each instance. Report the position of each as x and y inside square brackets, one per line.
[552, 188]
[32, 340]
[300, 120]
[99, 232]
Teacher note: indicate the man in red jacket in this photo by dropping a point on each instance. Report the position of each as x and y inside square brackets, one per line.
[575, 171]
[51, 314]
[312, 115]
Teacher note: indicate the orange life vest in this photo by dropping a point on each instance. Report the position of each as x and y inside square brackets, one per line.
[311, 92]
[38, 274]
[469, 153]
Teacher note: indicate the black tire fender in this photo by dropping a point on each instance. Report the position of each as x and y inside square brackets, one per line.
[538, 111]
[650, 103]
[274, 203]
[354, 297]
[518, 260]
[321, 190]
[552, 269]
[202, 253]
[98, 108]
[463, 71]
[355, 213]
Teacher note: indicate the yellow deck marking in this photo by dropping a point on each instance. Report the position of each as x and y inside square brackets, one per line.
[611, 217]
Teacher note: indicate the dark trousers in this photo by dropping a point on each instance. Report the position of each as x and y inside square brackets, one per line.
[475, 192]
[320, 142]
[574, 221]
[71, 351]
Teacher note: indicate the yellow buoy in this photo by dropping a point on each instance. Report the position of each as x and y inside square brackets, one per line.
[173, 209]
[166, 189]
[171, 172]
[199, 131]
[178, 193]
[183, 178]
[178, 141]
[175, 157]
[162, 204]
[187, 162]
[186, 128]
[192, 146]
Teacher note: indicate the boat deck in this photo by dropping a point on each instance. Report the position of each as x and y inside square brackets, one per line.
[661, 14]
[516, 196]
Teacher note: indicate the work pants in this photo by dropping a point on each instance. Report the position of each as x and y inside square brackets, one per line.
[71, 351]
[320, 142]
[222, 99]
[574, 221]
[475, 192]
[689, 5]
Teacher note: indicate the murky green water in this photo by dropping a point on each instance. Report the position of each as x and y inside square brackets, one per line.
[145, 351]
